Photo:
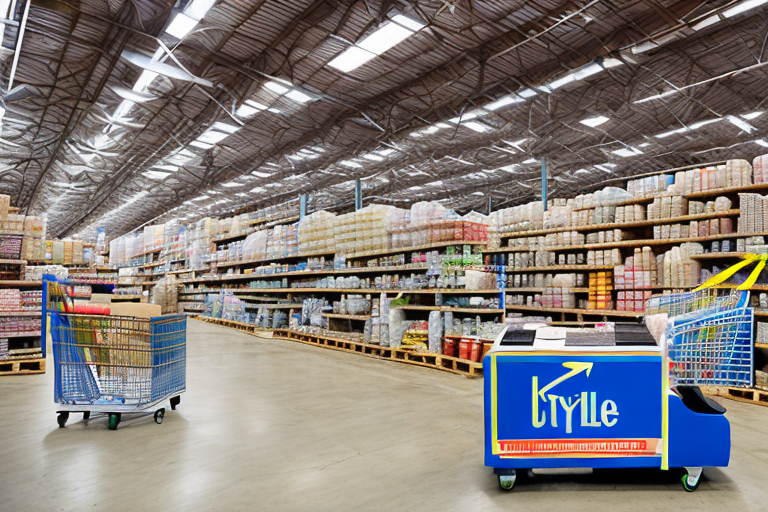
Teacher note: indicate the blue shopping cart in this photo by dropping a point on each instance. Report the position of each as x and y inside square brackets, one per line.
[114, 364]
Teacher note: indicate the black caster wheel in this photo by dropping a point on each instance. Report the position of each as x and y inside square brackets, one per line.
[507, 482]
[159, 416]
[176, 400]
[62, 418]
[114, 420]
[691, 479]
[87, 415]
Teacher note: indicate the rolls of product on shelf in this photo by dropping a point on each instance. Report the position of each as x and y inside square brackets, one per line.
[435, 331]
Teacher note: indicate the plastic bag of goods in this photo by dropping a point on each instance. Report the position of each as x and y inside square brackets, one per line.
[435, 331]
[397, 327]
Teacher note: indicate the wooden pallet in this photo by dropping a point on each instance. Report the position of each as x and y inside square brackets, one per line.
[425, 359]
[247, 328]
[747, 395]
[22, 366]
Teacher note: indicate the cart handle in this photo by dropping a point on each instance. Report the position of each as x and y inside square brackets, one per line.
[748, 259]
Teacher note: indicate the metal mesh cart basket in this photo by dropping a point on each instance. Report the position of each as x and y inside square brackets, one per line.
[115, 364]
[709, 337]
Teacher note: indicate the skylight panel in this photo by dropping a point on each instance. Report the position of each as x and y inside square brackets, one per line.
[298, 96]
[386, 37]
[530, 161]
[386, 152]
[351, 59]
[752, 115]
[212, 137]
[594, 121]
[201, 145]
[156, 175]
[201, 198]
[232, 184]
[258, 190]
[350, 164]
[181, 26]
[407, 22]
[373, 158]
[581, 74]
[743, 7]
[261, 174]
[740, 123]
[627, 152]
[167, 168]
[466, 116]
[223, 127]
[197, 9]
[504, 101]
[276, 87]
[761, 142]
[478, 127]
[145, 79]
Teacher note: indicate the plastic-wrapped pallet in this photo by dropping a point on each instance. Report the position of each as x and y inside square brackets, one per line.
[435, 332]
[316, 233]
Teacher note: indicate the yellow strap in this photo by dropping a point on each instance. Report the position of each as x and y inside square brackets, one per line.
[750, 282]
[727, 273]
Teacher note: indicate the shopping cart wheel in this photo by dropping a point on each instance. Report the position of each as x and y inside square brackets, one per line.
[691, 479]
[86, 415]
[176, 400]
[159, 416]
[62, 419]
[114, 420]
[507, 482]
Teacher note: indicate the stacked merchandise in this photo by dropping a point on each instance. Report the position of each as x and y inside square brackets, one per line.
[166, 294]
[199, 252]
[676, 269]
[649, 186]
[629, 213]
[606, 196]
[226, 306]
[416, 337]
[154, 237]
[284, 242]
[753, 215]
[316, 233]
[36, 273]
[33, 247]
[760, 169]
[635, 279]
[361, 231]
[604, 257]
[174, 241]
[600, 288]
[525, 217]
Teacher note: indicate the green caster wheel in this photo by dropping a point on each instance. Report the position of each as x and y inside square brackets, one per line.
[691, 479]
[114, 420]
[507, 482]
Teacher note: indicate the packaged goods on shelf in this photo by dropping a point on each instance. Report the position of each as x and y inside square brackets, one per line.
[753, 213]
[650, 186]
[525, 217]
[606, 196]
[5, 204]
[611, 235]
[435, 328]
[36, 272]
[166, 294]
[558, 217]
[629, 213]
[600, 288]
[564, 239]
[760, 169]
[19, 326]
[128, 276]
[33, 245]
[283, 242]
[604, 257]
[361, 231]
[666, 207]
[316, 233]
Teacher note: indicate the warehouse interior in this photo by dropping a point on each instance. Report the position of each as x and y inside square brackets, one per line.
[315, 254]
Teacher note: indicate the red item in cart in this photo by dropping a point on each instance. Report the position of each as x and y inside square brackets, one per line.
[86, 309]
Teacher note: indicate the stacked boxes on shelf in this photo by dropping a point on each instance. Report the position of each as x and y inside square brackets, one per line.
[600, 288]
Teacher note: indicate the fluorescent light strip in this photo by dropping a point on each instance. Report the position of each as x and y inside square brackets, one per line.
[388, 35]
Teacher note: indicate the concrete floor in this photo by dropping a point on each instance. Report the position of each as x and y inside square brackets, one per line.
[275, 425]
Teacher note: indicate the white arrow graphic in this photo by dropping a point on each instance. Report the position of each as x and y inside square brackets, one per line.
[576, 368]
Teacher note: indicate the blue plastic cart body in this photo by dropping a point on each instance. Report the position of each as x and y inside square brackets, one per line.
[548, 405]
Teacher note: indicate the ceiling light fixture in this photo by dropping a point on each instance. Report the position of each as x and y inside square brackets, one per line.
[740, 123]
[504, 101]
[350, 164]
[476, 126]
[752, 115]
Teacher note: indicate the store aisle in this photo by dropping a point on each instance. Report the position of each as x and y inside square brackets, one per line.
[274, 425]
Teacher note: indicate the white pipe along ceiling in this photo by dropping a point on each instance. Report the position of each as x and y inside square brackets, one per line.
[123, 112]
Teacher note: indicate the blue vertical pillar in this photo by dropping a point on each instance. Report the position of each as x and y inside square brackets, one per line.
[544, 181]
[358, 194]
[302, 205]
[490, 203]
